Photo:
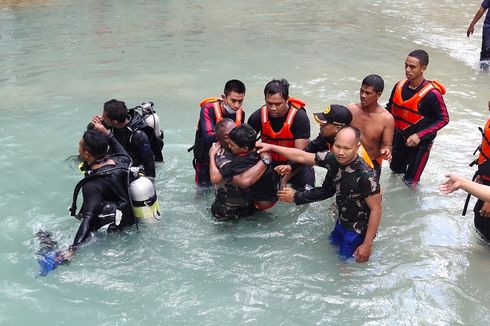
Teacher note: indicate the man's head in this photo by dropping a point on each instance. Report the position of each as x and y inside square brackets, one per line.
[415, 64]
[332, 119]
[276, 94]
[115, 113]
[233, 95]
[223, 129]
[371, 90]
[346, 144]
[242, 139]
[93, 145]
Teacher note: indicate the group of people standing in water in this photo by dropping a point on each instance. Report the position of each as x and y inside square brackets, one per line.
[251, 176]
[252, 165]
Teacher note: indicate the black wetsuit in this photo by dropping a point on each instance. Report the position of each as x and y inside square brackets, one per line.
[137, 144]
[105, 192]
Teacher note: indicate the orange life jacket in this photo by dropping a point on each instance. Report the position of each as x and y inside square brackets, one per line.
[217, 109]
[484, 158]
[406, 113]
[284, 137]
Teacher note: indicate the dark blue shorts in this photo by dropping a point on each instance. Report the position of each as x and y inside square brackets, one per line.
[347, 240]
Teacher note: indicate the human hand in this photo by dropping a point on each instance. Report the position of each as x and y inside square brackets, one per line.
[214, 149]
[286, 195]
[485, 210]
[263, 147]
[386, 153]
[96, 119]
[67, 254]
[283, 169]
[413, 140]
[362, 253]
[453, 183]
[470, 30]
[98, 126]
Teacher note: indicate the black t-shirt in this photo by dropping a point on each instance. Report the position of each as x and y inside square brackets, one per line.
[264, 189]
[300, 128]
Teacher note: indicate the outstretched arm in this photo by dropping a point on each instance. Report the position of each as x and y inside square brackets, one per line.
[292, 154]
[455, 182]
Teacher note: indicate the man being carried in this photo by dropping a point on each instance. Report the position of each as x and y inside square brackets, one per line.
[213, 110]
[357, 192]
[283, 121]
[374, 122]
[258, 184]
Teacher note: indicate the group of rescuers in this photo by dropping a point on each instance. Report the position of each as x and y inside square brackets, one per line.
[251, 175]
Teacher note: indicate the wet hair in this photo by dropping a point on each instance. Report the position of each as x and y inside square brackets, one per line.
[116, 110]
[244, 136]
[421, 55]
[277, 86]
[95, 143]
[234, 85]
[223, 123]
[375, 81]
[357, 132]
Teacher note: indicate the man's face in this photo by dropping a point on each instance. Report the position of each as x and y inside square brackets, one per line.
[276, 105]
[223, 135]
[368, 96]
[328, 130]
[345, 146]
[106, 120]
[233, 100]
[413, 68]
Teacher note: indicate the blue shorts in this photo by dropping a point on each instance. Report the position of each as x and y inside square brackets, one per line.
[347, 240]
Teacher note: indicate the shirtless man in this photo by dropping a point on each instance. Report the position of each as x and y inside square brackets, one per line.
[376, 124]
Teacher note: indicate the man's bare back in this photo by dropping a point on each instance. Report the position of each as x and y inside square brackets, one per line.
[376, 126]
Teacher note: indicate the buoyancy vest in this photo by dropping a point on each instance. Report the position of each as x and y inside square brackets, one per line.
[406, 113]
[217, 109]
[484, 157]
[284, 137]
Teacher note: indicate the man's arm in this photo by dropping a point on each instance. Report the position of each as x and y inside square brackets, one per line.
[387, 137]
[455, 182]
[363, 252]
[292, 154]
[471, 27]
[214, 175]
[252, 175]
[436, 104]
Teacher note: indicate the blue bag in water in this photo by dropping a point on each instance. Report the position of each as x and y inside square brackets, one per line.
[49, 261]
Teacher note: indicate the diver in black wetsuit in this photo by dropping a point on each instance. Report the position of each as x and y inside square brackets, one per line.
[105, 187]
[135, 141]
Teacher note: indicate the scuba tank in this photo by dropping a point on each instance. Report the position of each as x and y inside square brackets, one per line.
[144, 199]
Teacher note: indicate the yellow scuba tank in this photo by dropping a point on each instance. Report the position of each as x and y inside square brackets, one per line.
[144, 200]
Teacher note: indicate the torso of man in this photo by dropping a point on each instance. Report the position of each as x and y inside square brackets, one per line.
[372, 123]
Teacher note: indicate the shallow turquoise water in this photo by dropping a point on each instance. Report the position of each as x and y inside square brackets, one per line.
[61, 60]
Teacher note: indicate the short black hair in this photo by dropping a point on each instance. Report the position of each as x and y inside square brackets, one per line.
[421, 55]
[277, 86]
[95, 143]
[234, 85]
[244, 136]
[116, 110]
[374, 81]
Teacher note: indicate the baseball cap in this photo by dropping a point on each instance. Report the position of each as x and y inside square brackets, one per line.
[334, 113]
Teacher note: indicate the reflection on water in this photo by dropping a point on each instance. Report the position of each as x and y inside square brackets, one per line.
[61, 60]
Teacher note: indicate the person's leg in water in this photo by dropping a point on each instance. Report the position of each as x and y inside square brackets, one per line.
[485, 49]
[417, 161]
[400, 152]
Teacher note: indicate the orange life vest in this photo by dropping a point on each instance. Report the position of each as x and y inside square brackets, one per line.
[485, 144]
[217, 110]
[284, 137]
[406, 113]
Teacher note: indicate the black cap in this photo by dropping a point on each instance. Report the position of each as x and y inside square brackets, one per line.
[334, 113]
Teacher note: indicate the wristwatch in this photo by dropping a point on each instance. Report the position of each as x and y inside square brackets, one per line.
[266, 161]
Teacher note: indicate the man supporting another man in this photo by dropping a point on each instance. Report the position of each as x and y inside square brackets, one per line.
[357, 192]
